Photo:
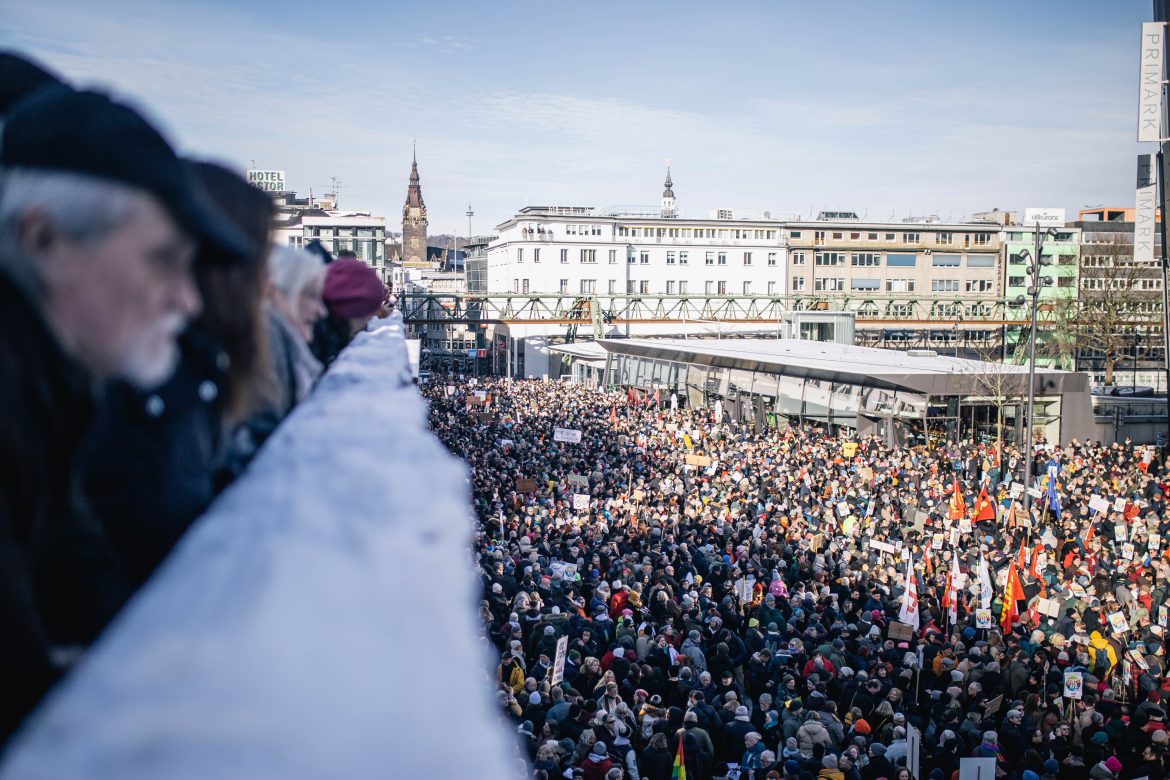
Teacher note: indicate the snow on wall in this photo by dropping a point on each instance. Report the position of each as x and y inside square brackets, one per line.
[317, 622]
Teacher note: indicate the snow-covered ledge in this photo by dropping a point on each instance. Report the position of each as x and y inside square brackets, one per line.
[317, 622]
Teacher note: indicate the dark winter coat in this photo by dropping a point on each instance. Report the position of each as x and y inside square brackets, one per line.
[150, 467]
[60, 581]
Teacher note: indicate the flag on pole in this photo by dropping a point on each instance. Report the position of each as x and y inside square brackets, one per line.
[1011, 516]
[984, 507]
[1053, 498]
[985, 589]
[1022, 557]
[1013, 593]
[908, 614]
[1088, 533]
[657, 398]
[613, 413]
[951, 594]
[958, 505]
[680, 764]
[1034, 569]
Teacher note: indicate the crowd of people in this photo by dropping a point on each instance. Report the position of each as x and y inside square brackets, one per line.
[154, 339]
[672, 594]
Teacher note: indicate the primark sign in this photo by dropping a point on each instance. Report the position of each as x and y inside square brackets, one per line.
[1152, 69]
[269, 181]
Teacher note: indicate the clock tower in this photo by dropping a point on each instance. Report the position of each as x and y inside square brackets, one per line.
[414, 219]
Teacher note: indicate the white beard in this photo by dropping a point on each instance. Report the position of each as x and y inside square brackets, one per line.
[151, 356]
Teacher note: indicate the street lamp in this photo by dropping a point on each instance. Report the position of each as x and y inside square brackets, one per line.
[1034, 288]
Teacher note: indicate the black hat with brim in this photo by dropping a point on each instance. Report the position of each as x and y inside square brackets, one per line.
[91, 134]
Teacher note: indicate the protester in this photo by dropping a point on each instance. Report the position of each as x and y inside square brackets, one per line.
[296, 278]
[761, 596]
[100, 224]
[352, 294]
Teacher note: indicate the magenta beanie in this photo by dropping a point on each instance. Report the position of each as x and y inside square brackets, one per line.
[352, 289]
[1112, 764]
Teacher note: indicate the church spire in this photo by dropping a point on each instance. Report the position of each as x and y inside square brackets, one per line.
[414, 190]
[669, 206]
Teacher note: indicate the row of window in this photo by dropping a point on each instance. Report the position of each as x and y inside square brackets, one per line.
[1022, 281]
[892, 259]
[673, 257]
[940, 239]
[699, 233]
[641, 287]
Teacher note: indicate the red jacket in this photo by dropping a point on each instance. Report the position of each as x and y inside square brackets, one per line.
[594, 770]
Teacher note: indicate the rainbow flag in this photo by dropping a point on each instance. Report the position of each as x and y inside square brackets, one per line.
[680, 765]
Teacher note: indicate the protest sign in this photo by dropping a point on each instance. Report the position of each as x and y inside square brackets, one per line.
[1099, 504]
[983, 618]
[1117, 622]
[698, 460]
[1017, 490]
[976, 769]
[900, 631]
[558, 670]
[687, 441]
[1074, 685]
[567, 435]
[526, 486]
[883, 546]
[671, 427]
[1119, 505]
[1163, 615]
[1127, 551]
[638, 495]
[1120, 533]
[993, 706]
[578, 480]
[580, 501]
[450, 390]
[842, 508]
[1049, 607]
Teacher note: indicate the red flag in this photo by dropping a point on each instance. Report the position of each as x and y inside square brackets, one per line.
[1013, 592]
[958, 505]
[1089, 533]
[1021, 557]
[613, 413]
[1033, 569]
[984, 509]
[629, 395]
[1011, 517]
[657, 397]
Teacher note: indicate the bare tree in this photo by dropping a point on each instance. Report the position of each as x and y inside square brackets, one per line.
[1115, 315]
[1002, 384]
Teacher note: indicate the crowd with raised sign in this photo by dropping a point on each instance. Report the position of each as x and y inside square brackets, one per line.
[667, 594]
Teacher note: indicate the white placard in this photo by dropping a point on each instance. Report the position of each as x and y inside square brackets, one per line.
[567, 435]
[1120, 533]
[578, 480]
[580, 501]
[1099, 504]
[1119, 505]
[983, 618]
[883, 546]
[1017, 489]
[1117, 622]
[976, 769]
[1074, 685]
[558, 670]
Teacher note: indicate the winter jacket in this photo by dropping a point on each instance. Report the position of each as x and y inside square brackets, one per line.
[811, 734]
[60, 580]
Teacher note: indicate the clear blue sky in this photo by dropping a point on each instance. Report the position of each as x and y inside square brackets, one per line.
[886, 108]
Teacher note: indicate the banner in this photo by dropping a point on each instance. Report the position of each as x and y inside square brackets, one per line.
[567, 435]
[1150, 81]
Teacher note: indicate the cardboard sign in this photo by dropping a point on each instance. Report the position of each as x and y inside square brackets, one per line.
[526, 486]
[1017, 489]
[580, 501]
[485, 417]
[993, 707]
[638, 495]
[976, 769]
[701, 461]
[1118, 623]
[1098, 504]
[558, 670]
[1035, 493]
[983, 618]
[1119, 505]
[577, 480]
[567, 435]
[476, 401]
[1049, 607]
[883, 546]
[671, 427]
[900, 631]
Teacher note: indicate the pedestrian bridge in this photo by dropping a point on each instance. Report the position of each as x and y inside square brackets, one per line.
[319, 621]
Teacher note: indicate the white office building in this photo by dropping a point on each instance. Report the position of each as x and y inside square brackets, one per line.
[627, 251]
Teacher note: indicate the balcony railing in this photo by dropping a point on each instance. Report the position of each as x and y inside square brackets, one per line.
[318, 621]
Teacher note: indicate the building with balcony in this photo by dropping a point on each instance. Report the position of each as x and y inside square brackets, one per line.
[930, 277]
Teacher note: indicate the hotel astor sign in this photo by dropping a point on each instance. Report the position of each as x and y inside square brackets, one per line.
[269, 181]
